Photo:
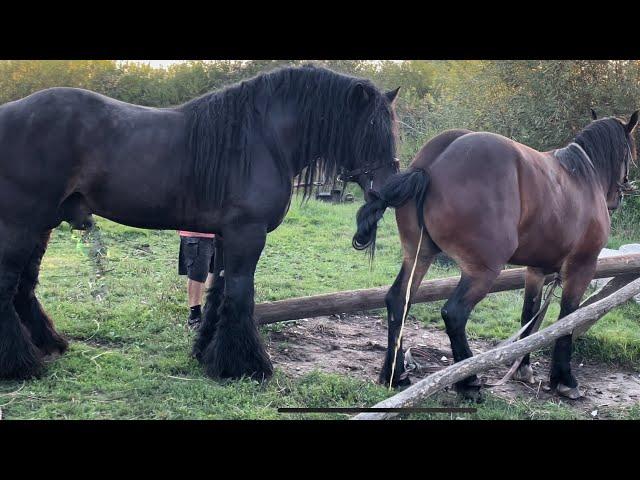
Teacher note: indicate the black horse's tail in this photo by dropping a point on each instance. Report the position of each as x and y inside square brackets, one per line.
[398, 190]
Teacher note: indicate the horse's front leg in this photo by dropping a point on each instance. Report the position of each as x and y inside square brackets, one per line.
[576, 275]
[236, 348]
[475, 283]
[215, 294]
[40, 327]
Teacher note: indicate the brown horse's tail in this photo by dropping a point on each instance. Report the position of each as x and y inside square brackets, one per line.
[398, 190]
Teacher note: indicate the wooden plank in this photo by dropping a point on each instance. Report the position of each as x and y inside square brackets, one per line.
[613, 285]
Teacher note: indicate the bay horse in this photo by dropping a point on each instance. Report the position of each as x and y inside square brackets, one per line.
[222, 163]
[486, 201]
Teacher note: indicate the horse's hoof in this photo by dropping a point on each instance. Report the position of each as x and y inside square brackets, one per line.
[470, 390]
[401, 383]
[50, 357]
[572, 393]
[401, 378]
[53, 348]
[259, 370]
[197, 351]
[24, 366]
[475, 383]
[472, 394]
[221, 361]
[20, 359]
[524, 374]
[200, 344]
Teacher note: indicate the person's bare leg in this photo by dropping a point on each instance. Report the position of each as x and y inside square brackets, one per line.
[194, 292]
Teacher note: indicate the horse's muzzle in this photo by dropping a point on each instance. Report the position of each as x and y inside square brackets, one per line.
[613, 208]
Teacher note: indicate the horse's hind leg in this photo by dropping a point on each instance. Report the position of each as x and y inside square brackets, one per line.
[395, 300]
[409, 230]
[533, 283]
[214, 299]
[19, 358]
[474, 285]
[576, 275]
[43, 334]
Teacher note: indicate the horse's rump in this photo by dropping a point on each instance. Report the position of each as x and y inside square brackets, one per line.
[76, 149]
[400, 189]
[435, 146]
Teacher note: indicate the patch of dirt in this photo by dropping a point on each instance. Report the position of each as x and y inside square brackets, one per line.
[356, 344]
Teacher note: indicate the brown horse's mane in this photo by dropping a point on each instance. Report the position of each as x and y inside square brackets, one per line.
[607, 144]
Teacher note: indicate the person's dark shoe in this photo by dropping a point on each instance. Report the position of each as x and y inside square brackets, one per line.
[195, 316]
[194, 323]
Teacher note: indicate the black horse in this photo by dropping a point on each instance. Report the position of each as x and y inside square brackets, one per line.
[223, 163]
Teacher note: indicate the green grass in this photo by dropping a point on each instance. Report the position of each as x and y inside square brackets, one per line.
[124, 310]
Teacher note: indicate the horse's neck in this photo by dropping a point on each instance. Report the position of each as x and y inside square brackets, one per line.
[290, 140]
[287, 129]
[588, 161]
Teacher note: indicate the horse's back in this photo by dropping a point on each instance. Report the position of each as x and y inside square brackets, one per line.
[73, 118]
[61, 96]
[37, 116]
[45, 126]
[486, 163]
[58, 107]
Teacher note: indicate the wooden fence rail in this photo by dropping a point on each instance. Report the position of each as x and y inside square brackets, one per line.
[429, 291]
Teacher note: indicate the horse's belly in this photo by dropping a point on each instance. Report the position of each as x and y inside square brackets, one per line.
[546, 260]
[544, 247]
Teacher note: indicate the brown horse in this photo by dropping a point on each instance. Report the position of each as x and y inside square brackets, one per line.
[486, 201]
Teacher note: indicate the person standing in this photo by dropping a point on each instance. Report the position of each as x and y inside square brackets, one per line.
[196, 261]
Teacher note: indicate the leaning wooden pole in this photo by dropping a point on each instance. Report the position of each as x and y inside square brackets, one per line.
[615, 284]
[498, 356]
[429, 291]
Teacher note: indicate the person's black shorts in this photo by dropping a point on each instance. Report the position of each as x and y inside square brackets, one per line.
[196, 258]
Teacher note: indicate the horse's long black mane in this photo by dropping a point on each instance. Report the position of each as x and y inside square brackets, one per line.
[334, 129]
[606, 143]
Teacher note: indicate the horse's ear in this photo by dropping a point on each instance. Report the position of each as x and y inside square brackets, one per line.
[359, 96]
[594, 115]
[633, 121]
[391, 95]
